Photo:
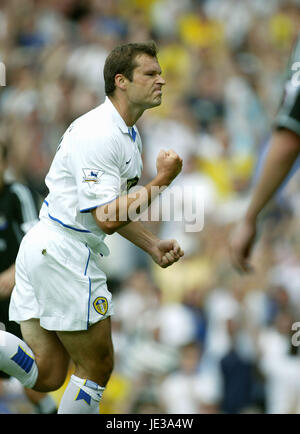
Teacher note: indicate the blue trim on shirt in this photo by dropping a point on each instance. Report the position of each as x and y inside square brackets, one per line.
[67, 226]
[89, 209]
[64, 224]
[132, 133]
[105, 203]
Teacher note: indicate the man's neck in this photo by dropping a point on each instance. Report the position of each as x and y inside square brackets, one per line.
[129, 113]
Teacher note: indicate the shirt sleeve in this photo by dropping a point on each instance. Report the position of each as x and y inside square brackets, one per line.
[289, 112]
[95, 165]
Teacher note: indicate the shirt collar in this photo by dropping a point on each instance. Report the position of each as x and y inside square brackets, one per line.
[119, 121]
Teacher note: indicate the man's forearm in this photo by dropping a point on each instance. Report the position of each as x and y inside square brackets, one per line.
[284, 149]
[139, 235]
[125, 209]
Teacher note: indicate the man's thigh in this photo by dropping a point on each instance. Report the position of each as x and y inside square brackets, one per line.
[91, 351]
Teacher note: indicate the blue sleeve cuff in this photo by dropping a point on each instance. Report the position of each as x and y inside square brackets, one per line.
[96, 206]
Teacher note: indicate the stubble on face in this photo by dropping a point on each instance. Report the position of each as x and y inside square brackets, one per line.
[146, 85]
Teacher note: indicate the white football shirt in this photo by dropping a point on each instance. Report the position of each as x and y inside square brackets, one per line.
[95, 156]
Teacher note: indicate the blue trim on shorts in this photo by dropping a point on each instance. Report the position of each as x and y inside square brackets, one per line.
[63, 224]
[90, 286]
[88, 259]
[90, 292]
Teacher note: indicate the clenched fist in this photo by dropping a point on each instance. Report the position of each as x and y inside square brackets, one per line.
[168, 165]
[166, 252]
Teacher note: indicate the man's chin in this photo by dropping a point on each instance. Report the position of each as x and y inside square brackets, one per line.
[152, 104]
[156, 102]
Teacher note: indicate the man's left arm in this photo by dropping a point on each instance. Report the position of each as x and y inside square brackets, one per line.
[7, 281]
[163, 252]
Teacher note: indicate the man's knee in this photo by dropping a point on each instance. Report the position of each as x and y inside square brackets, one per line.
[48, 384]
[97, 368]
[101, 369]
[91, 351]
[51, 373]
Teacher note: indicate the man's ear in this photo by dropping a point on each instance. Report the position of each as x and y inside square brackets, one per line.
[121, 81]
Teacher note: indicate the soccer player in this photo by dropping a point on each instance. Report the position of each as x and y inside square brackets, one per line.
[61, 298]
[18, 214]
[283, 152]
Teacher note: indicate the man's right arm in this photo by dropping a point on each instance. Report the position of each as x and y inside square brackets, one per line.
[118, 213]
[284, 149]
[283, 152]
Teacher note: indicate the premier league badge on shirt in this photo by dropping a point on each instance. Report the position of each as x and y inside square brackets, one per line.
[92, 176]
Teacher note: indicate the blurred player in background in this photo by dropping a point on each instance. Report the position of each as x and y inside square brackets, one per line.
[18, 213]
[61, 297]
[282, 155]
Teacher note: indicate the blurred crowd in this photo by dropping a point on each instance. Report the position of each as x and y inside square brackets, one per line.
[196, 337]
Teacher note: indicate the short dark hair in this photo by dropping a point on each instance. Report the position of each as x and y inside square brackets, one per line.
[121, 60]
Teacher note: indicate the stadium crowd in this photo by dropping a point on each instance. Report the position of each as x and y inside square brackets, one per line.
[196, 337]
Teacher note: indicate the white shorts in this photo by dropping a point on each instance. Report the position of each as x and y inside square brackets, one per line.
[59, 281]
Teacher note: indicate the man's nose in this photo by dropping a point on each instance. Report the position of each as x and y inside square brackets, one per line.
[161, 80]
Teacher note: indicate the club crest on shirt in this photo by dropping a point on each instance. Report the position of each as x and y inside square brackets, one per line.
[91, 176]
[101, 305]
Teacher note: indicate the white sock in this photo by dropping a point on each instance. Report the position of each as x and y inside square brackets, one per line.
[17, 359]
[81, 397]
